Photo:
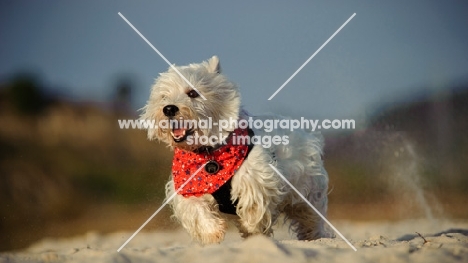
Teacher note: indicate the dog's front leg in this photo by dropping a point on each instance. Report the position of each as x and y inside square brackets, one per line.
[258, 191]
[200, 216]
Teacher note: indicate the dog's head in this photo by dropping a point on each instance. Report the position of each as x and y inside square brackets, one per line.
[181, 112]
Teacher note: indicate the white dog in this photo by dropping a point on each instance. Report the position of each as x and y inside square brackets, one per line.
[233, 177]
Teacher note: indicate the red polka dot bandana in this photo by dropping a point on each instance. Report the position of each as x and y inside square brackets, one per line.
[186, 163]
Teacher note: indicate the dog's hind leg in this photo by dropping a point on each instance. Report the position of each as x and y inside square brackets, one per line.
[302, 166]
[305, 222]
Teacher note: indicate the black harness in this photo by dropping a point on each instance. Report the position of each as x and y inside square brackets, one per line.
[223, 194]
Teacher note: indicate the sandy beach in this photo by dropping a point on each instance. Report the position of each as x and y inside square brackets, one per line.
[440, 241]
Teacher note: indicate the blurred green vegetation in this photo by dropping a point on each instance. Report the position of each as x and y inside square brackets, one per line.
[59, 159]
[25, 96]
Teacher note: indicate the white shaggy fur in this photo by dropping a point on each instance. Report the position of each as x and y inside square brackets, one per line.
[261, 194]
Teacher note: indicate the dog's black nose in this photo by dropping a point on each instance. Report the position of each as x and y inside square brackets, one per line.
[170, 110]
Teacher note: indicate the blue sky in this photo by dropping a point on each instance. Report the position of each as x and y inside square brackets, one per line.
[389, 51]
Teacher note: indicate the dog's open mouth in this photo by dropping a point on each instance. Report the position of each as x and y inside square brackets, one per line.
[180, 134]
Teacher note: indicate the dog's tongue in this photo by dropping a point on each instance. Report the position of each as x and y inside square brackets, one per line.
[178, 132]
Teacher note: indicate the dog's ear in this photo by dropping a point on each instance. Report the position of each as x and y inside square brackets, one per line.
[171, 68]
[213, 65]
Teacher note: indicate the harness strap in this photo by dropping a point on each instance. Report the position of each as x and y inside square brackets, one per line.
[223, 194]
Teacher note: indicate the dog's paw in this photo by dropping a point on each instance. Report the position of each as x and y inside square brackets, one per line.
[246, 230]
[211, 231]
[212, 238]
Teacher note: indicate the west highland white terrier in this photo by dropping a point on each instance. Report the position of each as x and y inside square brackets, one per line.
[233, 176]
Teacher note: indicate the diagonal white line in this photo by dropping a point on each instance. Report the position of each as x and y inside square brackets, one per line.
[311, 57]
[161, 55]
[160, 208]
[313, 207]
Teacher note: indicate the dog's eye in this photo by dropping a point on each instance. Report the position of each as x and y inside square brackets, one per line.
[193, 94]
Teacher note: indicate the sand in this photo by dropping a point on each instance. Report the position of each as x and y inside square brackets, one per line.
[446, 241]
